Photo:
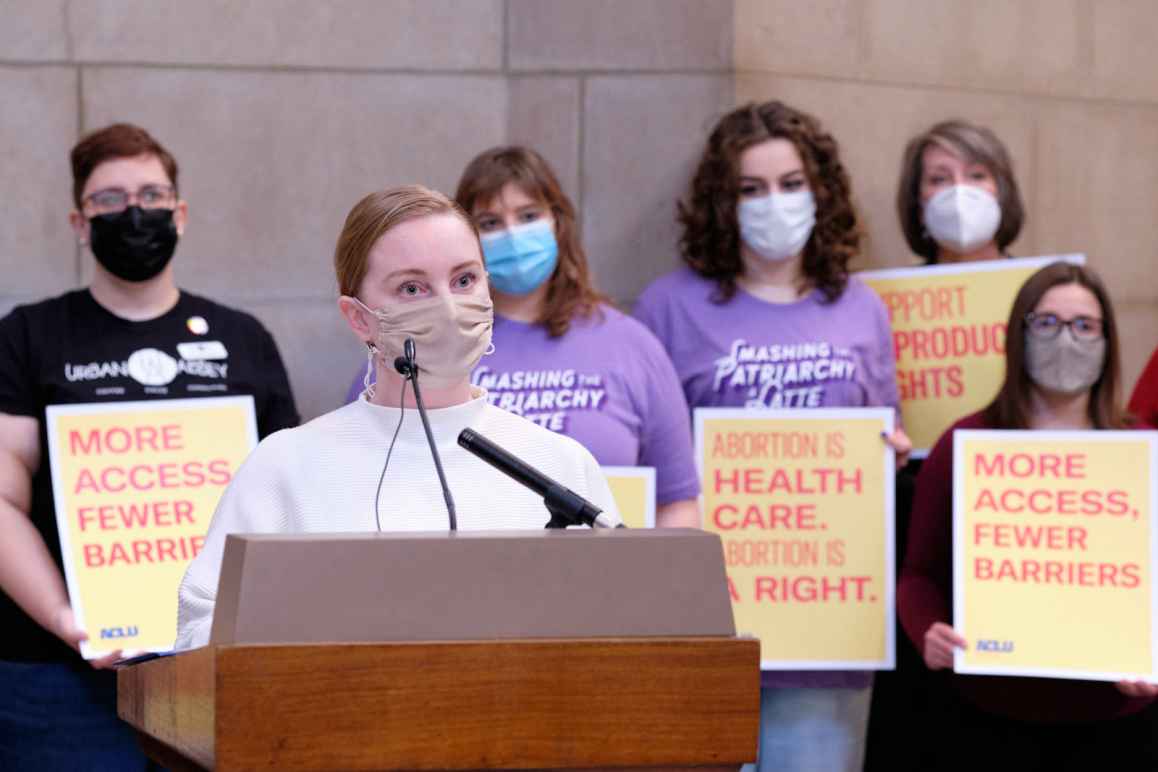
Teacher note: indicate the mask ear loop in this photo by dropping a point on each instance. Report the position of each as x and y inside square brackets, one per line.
[371, 350]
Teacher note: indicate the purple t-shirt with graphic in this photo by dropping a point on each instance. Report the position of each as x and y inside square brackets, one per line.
[748, 352]
[752, 353]
[606, 383]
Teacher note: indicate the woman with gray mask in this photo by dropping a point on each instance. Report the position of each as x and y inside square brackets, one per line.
[1062, 372]
[409, 265]
[958, 201]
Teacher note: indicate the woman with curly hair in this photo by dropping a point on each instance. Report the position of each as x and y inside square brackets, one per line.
[766, 315]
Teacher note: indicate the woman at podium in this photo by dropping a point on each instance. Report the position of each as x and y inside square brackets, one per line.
[409, 266]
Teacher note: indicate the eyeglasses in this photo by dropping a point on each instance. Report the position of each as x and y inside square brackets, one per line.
[1049, 326]
[112, 200]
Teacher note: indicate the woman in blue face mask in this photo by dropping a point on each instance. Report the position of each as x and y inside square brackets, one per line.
[564, 357]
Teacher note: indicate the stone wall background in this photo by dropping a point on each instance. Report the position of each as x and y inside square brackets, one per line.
[1069, 85]
[282, 113]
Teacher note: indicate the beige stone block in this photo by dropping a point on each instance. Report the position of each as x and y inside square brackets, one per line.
[37, 131]
[788, 37]
[872, 124]
[33, 31]
[1035, 46]
[1138, 324]
[545, 115]
[619, 34]
[1124, 34]
[320, 353]
[271, 163]
[375, 34]
[643, 136]
[1097, 184]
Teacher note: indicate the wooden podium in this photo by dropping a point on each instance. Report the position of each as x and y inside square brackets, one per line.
[312, 665]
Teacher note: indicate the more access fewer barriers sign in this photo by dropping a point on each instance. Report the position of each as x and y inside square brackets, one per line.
[948, 324]
[136, 484]
[803, 503]
[1054, 548]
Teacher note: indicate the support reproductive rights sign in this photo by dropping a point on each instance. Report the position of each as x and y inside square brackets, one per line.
[803, 503]
[136, 484]
[948, 324]
[1054, 548]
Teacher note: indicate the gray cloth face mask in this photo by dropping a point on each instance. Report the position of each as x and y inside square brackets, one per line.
[1063, 364]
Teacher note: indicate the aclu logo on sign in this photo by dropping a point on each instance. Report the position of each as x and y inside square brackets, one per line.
[119, 632]
[1000, 647]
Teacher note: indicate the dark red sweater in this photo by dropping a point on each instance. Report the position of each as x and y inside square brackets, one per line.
[1144, 400]
[925, 596]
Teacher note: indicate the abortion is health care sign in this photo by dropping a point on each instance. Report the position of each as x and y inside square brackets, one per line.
[803, 503]
[1054, 547]
[948, 324]
[136, 484]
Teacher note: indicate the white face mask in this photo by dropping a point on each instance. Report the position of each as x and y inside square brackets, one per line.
[777, 226]
[962, 217]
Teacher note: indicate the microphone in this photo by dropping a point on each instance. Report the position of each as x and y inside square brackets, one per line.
[407, 367]
[566, 506]
[405, 364]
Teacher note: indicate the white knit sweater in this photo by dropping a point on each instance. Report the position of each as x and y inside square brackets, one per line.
[322, 477]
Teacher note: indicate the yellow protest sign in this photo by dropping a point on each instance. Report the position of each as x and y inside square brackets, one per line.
[633, 488]
[1053, 553]
[803, 502]
[136, 484]
[948, 324]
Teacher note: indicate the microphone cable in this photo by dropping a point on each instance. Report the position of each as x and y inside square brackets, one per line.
[389, 452]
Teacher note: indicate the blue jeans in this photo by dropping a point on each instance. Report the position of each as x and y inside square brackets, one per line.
[802, 730]
[63, 717]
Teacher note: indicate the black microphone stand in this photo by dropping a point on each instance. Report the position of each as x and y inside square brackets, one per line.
[407, 366]
[565, 506]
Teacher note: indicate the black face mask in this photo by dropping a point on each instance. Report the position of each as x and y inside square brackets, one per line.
[136, 244]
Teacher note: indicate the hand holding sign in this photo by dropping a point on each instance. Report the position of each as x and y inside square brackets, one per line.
[941, 644]
[66, 628]
[901, 444]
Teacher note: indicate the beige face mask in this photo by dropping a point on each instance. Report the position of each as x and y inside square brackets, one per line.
[451, 334]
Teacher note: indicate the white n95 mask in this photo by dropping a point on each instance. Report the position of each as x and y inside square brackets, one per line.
[777, 226]
[962, 217]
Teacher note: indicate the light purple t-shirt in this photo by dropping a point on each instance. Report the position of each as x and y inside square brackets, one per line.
[606, 383]
[752, 353]
[748, 352]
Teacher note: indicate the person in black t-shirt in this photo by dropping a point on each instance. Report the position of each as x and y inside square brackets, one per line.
[131, 335]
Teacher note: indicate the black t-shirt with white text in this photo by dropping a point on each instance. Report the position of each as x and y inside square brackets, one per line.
[70, 349]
